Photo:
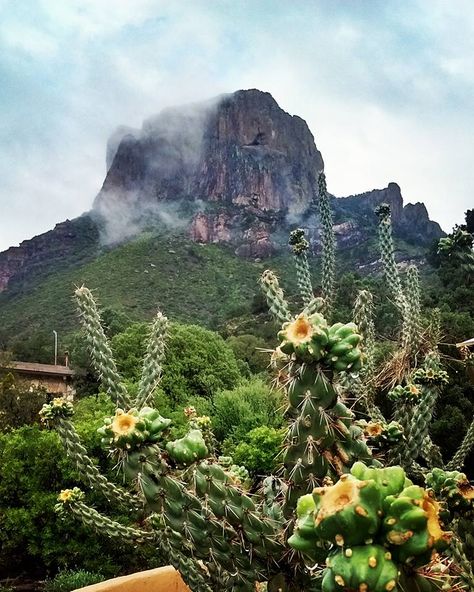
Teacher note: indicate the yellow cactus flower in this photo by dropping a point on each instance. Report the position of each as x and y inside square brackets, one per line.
[123, 423]
[299, 331]
[432, 509]
[65, 495]
[372, 430]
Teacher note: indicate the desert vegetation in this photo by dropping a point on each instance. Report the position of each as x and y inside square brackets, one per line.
[334, 469]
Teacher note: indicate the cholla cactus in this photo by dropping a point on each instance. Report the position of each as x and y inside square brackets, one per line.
[363, 315]
[99, 347]
[199, 513]
[328, 255]
[326, 522]
[300, 247]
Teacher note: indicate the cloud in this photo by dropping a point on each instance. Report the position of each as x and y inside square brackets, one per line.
[384, 89]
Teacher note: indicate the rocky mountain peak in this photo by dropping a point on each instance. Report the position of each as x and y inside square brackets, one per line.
[236, 169]
[239, 149]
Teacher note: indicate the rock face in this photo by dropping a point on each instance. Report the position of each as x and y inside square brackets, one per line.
[410, 222]
[236, 169]
[249, 163]
[69, 243]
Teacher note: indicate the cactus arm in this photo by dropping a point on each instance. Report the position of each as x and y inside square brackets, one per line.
[99, 347]
[91, 474]
[275, 298]
[457, 462]
[387, 254]
[364, 318]
[152, 364]
[188, 569]
[304, 278]
[299, 246]
[432, 453]
[314, 305]
[411, 326]
[328, 256]
[419, 424]
[214, 516]
[456, 550]
[73, 501]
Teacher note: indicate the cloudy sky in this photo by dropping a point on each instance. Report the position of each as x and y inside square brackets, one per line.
[386, 86]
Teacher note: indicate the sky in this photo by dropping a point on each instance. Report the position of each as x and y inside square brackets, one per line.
[386, 87]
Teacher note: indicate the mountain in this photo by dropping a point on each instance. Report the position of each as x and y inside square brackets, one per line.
[237, 171]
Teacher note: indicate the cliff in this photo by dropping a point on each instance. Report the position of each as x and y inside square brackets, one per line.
[237, 170]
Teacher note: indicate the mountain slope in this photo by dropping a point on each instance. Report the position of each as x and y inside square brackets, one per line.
[236, 174]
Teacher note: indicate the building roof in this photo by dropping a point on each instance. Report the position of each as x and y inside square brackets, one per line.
[45, 369]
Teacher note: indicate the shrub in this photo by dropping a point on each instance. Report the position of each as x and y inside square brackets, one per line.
[248, 348]
[19, 405]
[68, 580]
[251, 404]
[198, 361]
[259, 450]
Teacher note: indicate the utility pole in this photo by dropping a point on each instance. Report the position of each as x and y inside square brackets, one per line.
[55, 348]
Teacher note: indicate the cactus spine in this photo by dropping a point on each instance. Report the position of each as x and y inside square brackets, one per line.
[328, 255]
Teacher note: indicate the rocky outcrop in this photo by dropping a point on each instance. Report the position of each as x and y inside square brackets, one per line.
[249, 162]
[70, 242]
[410, 222]
[237, 169]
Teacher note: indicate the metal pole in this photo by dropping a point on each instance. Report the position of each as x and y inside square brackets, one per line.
[55, 348]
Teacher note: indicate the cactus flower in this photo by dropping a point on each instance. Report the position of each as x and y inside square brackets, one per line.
[299, 331]
[123, 423]
[65, 495]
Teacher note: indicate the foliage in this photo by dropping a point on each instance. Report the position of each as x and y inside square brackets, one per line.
[259, 449]
[19, 404]
[251, 350]
[33, 538]
[68, 580]
[249, 405]
[198, 361]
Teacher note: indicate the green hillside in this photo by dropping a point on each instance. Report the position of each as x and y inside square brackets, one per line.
[187, 281]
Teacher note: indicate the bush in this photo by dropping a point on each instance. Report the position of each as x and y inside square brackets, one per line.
[19, 405]
[68, 580]
[249, 405]
[259, 450]
[198, 361]
[248, 348]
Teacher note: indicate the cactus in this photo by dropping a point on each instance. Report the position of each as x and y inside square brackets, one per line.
[408, 300]
[363, 317]
[333, 518]
[300, 247]
[381, 526]
[361, 568]
[275, 298]
[328, 245]
[99, 347]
